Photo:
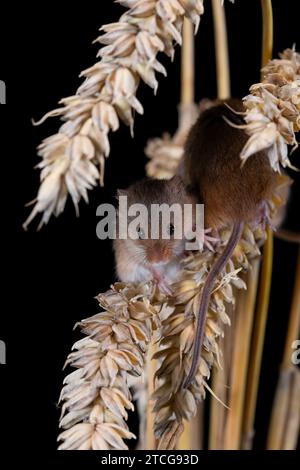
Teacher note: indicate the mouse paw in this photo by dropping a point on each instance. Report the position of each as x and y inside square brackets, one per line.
[165, 288]
[161, 283]
[206, 240]
[264, 217]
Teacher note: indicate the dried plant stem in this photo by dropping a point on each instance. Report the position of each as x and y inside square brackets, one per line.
[284, 429]
[261, 314]
[73, 160]
[244, 317]
[288, 236]
[96, 395]
[221, 379]
[294, 323]
[221, 47]
[291, 433]
[192, 437]
[218, 411]
[187, 64]
[151, 368]
[165, 153]
[267, 39]
[258, 342]
[285, 420]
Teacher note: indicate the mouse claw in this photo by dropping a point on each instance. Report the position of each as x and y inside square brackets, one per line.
[264, 217]
[165, 288]
[207, 241]
[161, 283]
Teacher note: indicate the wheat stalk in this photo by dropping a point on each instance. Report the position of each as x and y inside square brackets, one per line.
[193, 432]
[285, 419]
[221, 47]
[244, 314]
[267, 32]
[219, 379]
[221, 384]
[73, 159]
[150, 440]
[174, 404]
[261, 314]
[256, 351]
[95, 397]
[273, 110]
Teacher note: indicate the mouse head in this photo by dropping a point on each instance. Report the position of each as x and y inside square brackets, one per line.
[156, 220]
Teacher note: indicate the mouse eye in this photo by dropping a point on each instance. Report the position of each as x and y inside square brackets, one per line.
[171, 229]
[141, 233]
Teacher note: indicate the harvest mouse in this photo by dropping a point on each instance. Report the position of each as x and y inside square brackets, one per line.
[145, 258]
[232, 193]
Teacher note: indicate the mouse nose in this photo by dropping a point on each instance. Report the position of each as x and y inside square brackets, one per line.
[157, 256]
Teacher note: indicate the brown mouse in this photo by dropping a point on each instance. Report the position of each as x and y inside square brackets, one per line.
[232, 193]
[144, 258]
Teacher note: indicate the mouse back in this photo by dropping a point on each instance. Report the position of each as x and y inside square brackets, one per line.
[213, 168]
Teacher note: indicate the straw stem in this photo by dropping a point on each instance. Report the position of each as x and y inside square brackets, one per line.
[221, 48]
[187, 64]
[244, 322]
[285, 419]
[267, 34]
[258, 342]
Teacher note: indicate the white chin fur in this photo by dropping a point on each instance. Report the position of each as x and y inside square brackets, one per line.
[169, 270]
[161, 264]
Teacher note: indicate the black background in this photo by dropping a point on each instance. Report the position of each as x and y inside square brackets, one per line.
[50, 278]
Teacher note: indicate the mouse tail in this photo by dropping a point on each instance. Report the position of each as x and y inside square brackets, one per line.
[216, 269]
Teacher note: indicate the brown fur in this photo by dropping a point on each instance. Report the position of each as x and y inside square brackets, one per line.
[145, 252]
[230, 192]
